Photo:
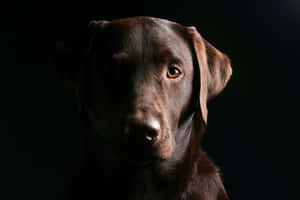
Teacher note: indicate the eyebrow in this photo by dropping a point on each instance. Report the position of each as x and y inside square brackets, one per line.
[120, 56]
[167, 56]
[164, 55]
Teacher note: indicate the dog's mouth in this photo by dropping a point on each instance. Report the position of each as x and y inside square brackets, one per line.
[135, 159]
[144, 162]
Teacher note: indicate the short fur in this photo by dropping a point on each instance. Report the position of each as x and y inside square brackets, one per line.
[125, 97]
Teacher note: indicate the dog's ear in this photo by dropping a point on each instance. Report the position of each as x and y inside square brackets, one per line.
[70, 57]
[95, 30]
[93, 34]
[214, 69]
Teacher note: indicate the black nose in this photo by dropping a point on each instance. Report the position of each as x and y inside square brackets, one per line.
[139, 131]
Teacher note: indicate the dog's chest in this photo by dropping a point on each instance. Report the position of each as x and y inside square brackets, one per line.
[145, 187]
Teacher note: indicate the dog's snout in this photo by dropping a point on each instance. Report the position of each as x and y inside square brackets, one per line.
[139, 131]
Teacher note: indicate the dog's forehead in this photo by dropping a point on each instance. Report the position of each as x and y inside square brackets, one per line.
[146, 38]
[137, 31]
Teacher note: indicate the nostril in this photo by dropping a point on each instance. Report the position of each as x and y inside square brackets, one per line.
[153, 130]
[151, 135]
[139, 132]
[144, 132]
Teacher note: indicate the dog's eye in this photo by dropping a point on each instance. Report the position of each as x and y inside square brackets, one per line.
[173, 71]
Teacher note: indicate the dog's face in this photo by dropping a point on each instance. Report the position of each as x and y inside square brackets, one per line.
[140, 88]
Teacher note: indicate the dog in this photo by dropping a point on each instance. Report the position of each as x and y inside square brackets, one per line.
[143, 89]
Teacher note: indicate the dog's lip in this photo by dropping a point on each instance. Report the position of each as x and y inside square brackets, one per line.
[136, 160]
[145, 162]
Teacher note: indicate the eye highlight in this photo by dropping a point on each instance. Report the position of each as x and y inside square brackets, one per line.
[174, 71]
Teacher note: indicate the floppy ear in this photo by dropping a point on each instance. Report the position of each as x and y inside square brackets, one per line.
[69, 58]
[214, 70]
[93, 32]
[95, 28]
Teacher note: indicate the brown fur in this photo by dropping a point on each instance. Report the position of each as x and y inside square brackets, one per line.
[124, 92]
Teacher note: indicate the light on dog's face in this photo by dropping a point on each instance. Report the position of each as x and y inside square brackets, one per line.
[143, 87]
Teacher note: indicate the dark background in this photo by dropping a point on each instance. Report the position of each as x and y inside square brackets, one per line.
[253, 132]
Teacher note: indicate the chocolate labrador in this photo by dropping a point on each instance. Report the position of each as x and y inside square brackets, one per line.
[144, 85]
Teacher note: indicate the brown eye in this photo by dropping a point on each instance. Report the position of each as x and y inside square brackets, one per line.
[173, 72]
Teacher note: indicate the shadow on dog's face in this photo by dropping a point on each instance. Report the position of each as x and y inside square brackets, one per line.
[140, 92]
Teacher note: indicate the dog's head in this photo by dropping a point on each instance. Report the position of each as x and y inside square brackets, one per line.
[142, 81]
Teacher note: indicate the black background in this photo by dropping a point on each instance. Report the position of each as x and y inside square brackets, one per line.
[253, 132]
